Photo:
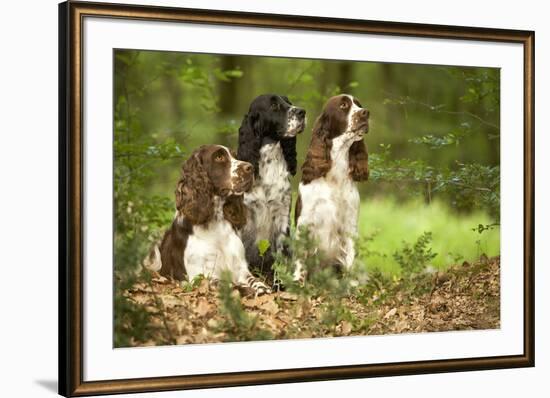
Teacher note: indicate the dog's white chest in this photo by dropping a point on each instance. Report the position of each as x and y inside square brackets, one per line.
[343, 190]
[272, 165]
[330, 204]
[212, 248]
[270, 196]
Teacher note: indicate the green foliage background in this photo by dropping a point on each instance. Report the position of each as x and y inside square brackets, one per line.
[434, 192]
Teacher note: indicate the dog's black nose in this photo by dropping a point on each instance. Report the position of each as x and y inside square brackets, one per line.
[300, 112]
[364, 113]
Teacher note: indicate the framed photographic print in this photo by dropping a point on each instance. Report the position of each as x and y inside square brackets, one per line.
[251, 198]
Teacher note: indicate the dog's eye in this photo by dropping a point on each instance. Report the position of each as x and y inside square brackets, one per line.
[219, 158]
[344, 105]
[274, 107]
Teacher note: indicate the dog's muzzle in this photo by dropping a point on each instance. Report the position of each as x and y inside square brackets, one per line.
[296, 121]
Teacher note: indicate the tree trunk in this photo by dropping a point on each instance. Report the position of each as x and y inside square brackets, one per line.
[229, 90]
[345, 76]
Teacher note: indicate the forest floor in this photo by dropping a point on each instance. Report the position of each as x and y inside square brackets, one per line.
[464, 297]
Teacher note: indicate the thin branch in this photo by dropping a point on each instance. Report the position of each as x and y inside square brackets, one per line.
[473, 115]
[146, 84]
[132, 171]
[427, 180]
[434, 108]
[297, 80]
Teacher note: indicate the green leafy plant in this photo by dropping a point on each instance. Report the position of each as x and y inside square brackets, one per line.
[413, 259]
[188, 286]
[263, 246]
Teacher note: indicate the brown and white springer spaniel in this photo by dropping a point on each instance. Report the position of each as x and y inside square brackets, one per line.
[204, 237]
[328, 200]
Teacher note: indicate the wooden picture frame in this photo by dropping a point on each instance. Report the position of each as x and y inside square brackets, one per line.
[71, 237]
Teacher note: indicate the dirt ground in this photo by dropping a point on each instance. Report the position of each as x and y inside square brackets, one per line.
[465, 297]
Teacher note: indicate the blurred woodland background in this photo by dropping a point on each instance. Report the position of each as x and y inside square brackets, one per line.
[434, 191]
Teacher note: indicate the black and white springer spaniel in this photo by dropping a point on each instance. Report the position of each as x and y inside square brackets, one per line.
[328, 201]
[204, 236]
[267, 139]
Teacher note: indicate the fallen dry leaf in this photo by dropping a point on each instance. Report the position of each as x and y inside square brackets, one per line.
[288, 296]
[270, 306]
[204, 286]
[390, 313]
[203, 307]
[170, 301]
[346, 328]
[160, 279]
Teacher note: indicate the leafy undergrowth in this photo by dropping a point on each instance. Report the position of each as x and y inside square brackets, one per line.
[455, 236]
[464, 297]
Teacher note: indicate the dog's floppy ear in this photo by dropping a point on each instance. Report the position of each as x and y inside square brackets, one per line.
[194, 192]
[250, 140]
[359, 161]
[288, 146]
[318, 161]
[234, 211]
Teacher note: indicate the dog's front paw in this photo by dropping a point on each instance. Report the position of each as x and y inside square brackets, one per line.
[258, 287]
[261, 288]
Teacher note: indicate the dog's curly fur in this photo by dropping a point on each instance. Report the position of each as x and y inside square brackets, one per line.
[195, 192]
